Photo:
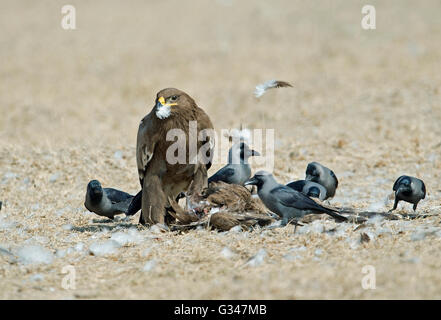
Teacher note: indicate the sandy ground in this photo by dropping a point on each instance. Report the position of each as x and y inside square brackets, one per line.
[364, 103]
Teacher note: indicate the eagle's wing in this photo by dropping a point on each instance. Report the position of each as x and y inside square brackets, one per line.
[145, 146]
[206, 139]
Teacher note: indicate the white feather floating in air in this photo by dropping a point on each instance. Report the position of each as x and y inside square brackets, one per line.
[237, 135]
[271, 84]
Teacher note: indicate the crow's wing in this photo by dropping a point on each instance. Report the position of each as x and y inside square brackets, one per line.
[423, 186]
[116, 196]
[292, 198]
[122, 206]
[297, 185]
[225, 174]
[335, 178]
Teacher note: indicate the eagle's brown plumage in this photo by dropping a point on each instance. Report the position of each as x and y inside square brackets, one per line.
[161, 180]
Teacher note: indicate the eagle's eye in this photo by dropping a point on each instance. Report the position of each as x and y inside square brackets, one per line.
[173, 98]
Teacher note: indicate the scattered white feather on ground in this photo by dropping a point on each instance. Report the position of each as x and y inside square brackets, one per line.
[123, 238]
[421, 232]
[149, 265]
[375, 220]
[34, 254]
[118, 155]
[67, 226]
[79, 247]
[37, 277]
[257, 259]
[104, 248]
[227, 253]
[8, 176]
[6, 224]
[354, 242]
[275, 224]
[61, 253]
[158, 228]
[298, 249]
[236, 229]
[290, 257]
[315, 227]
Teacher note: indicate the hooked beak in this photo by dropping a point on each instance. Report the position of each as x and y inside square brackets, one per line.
[161, 102]
[253, 181]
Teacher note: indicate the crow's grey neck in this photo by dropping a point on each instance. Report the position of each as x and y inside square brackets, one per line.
[236, 159]
[269, 185]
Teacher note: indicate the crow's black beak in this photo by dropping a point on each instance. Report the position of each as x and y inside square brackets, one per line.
[253, 181]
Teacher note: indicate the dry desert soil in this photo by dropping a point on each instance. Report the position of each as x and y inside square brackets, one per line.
[365, 103]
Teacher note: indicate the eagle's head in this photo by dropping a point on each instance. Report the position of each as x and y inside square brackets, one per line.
[172, 100]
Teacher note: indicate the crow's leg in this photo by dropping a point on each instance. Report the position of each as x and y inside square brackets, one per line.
[395, 204]
[415, 206]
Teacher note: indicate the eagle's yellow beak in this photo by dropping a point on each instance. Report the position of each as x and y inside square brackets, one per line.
[161, 100]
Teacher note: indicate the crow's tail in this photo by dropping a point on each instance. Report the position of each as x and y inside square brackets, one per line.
[135, 205]
[336, 215]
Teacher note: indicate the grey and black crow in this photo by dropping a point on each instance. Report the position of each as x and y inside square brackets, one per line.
[286, 202]
[409, 189]
[326, 177]
[106, 202]
[237, 171]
